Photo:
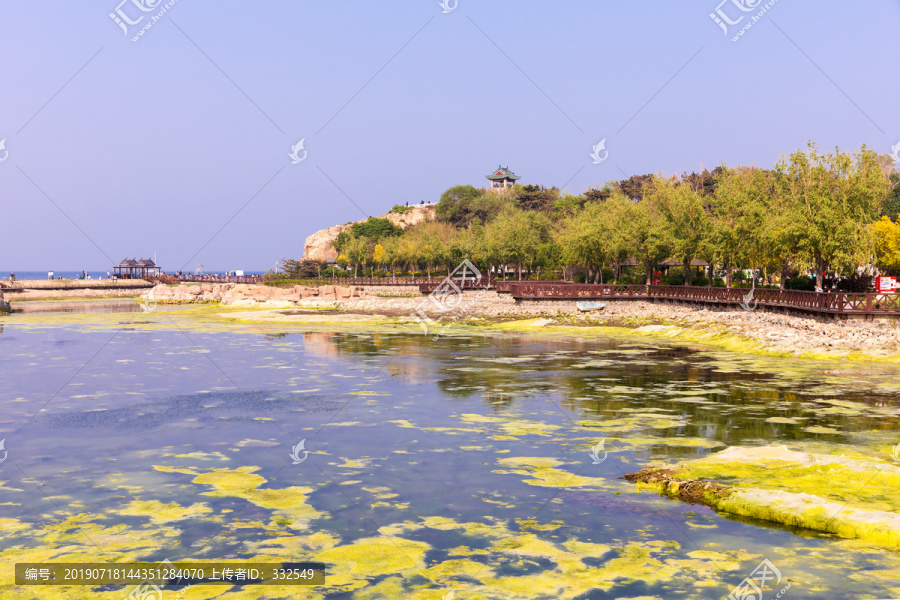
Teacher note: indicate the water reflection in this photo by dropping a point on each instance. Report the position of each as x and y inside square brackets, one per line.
[178, 441]
[69, 307]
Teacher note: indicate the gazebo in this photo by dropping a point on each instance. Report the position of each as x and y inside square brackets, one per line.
[137, 269]
[502, 178]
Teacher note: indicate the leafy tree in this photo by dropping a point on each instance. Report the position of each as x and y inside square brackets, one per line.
[536, 198]
[679, 213]
[375, 228]
[457, 205]
[829, 201]
[357, 252]
[516, 236]
[633, 187]
[887, 246]
[301, 269]
[891, 206]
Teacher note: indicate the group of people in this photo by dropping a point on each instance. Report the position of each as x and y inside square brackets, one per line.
[51, 276]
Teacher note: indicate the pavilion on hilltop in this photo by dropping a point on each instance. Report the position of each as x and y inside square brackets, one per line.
[502, 178]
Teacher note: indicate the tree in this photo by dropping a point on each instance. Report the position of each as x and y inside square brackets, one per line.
[891, 206]
[887, 246]
[640, 233]
[301, 269]
[516, 237]
[358, 253]
[678, 211]
[536, 198]
[375, 228]
[633, 187]
[740, 232]
[457, 205]
[830, 199]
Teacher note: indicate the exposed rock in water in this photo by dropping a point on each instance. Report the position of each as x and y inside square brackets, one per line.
[851, 497]
[665, 480]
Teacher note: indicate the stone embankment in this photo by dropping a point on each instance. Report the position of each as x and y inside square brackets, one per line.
[65, 289]
[240, 294]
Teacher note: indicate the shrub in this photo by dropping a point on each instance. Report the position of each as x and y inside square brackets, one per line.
[801, 283]
[856, 283]
[676, 277]
[374, 228]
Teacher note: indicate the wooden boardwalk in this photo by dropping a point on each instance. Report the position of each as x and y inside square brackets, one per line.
[831, 303]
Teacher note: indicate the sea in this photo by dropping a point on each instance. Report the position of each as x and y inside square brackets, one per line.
[95, 274]
[469, 465]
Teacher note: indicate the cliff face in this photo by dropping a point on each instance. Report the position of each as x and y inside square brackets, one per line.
[319, 246]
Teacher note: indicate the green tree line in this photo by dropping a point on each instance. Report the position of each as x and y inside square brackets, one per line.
[814, 211]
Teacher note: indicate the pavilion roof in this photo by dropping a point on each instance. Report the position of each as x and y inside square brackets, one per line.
[503, 173]
[128, 262]
[145, 262]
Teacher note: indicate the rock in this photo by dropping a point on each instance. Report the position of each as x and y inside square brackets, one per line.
[319, 245]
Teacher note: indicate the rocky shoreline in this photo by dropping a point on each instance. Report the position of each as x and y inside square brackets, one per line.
[765, 331]
[735, 329]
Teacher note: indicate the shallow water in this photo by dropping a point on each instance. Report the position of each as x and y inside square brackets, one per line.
[460, 463]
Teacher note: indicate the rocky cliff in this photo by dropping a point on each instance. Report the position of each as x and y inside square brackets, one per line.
[319, 246]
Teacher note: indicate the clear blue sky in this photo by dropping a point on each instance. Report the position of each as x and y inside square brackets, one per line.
[155, 145]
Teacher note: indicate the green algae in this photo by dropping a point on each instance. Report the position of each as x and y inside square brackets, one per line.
[160, 513]
[846, 496]
[542, 472]
[243, 483]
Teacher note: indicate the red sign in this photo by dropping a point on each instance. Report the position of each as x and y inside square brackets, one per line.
[886, 285]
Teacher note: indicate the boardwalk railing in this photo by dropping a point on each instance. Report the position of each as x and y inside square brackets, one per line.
[467, 284]
[840, 303]
[219, 279]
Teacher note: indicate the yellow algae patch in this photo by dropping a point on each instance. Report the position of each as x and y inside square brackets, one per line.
[182, 470]
[8, 489]
[512, 427]
[634, 563]
[473, 418]
[706, 563]
[635, 422]
[8, 526]
[393, 587]
[812, 512]
[294, 547]
[256, 443]
[543, 470]
[403, 423]
[382, 493]
[691, 442]
[785, 420]
[820, 429]
[852, 498]
[535, 525]
[355, 463]
[243, 483]
[162, 513]
[368, 393]
[859, 483]
[204, 456]
[352, 564]
[586, 548]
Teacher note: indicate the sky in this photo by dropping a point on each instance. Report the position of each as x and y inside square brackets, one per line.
[179, 144]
